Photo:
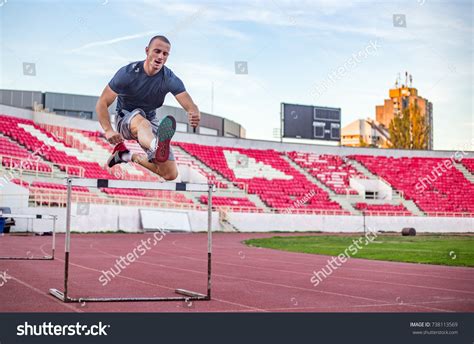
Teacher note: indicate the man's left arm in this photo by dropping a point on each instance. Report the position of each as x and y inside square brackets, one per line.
[185, 100]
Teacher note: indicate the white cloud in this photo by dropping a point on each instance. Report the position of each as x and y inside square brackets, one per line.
[113, 41]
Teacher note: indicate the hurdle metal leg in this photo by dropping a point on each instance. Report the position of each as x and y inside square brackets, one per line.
[187, 295]
[209, 250]
[209, 241]
[53, 249]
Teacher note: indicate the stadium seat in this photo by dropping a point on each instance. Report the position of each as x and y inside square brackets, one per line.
[383, 209]
[261, 172]
[331, 170]
[239, 204]
[421, 180]
[266, 174]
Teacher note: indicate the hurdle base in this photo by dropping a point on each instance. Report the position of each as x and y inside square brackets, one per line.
[188, 296]
[189, 293]
[27, 258]
[57, 294]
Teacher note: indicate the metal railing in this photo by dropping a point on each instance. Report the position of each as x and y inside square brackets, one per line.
[41, 198]
[18, 164]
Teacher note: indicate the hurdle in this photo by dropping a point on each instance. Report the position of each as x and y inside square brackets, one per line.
[185, 295]
[32, 217]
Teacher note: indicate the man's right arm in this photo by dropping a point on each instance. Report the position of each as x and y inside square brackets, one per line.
[102, 108]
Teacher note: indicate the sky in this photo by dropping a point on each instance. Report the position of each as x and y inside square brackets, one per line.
[291, 48]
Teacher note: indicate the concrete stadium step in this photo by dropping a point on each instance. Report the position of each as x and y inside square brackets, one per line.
[228, 227]
[469, 176]
[203, 166]
[308, 175]
[408, 204]
[257, 201]
[412, 207]
[347, 204]
[342, 201]
[99, 193]
[362, 169]
[60, 174]
[188, 195]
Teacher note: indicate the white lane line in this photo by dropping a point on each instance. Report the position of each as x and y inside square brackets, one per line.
[340, 277]
[159, 285]
[42, 293]
[255, 250]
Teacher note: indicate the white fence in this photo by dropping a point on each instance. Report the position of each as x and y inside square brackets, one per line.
[101, 218]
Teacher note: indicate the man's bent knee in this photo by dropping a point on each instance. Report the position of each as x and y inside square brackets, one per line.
[170, 175]
[138, 122]
[168, 170]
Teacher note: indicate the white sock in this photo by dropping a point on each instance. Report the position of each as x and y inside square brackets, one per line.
[153, 144]
[127, 156]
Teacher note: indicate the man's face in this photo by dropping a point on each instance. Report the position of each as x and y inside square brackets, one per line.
[157, 54]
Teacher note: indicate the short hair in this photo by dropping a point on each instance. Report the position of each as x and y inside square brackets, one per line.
[161, 38]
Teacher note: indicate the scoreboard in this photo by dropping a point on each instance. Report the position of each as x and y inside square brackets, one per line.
[311, 122]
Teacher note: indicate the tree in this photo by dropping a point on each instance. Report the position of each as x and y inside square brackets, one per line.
[409, 130]
[419, 129]
[399, 130]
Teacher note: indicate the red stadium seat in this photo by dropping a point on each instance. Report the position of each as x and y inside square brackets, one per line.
[421, 180]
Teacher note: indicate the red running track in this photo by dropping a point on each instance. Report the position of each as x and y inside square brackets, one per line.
[245, 279]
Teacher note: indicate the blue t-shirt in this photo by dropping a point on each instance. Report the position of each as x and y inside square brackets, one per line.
[136, 89]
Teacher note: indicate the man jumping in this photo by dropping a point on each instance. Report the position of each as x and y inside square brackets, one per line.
[141, 88]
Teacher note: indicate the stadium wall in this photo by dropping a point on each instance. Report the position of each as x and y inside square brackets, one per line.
[67, 122]
[328, 223]
[319, 149]
[17, 112]
[103, 218]
[50, 118]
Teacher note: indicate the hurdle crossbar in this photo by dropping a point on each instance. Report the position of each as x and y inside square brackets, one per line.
[186, 295]
[33, 217]
[127, 184]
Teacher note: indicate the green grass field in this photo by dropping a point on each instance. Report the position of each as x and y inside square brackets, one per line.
[453, 250]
